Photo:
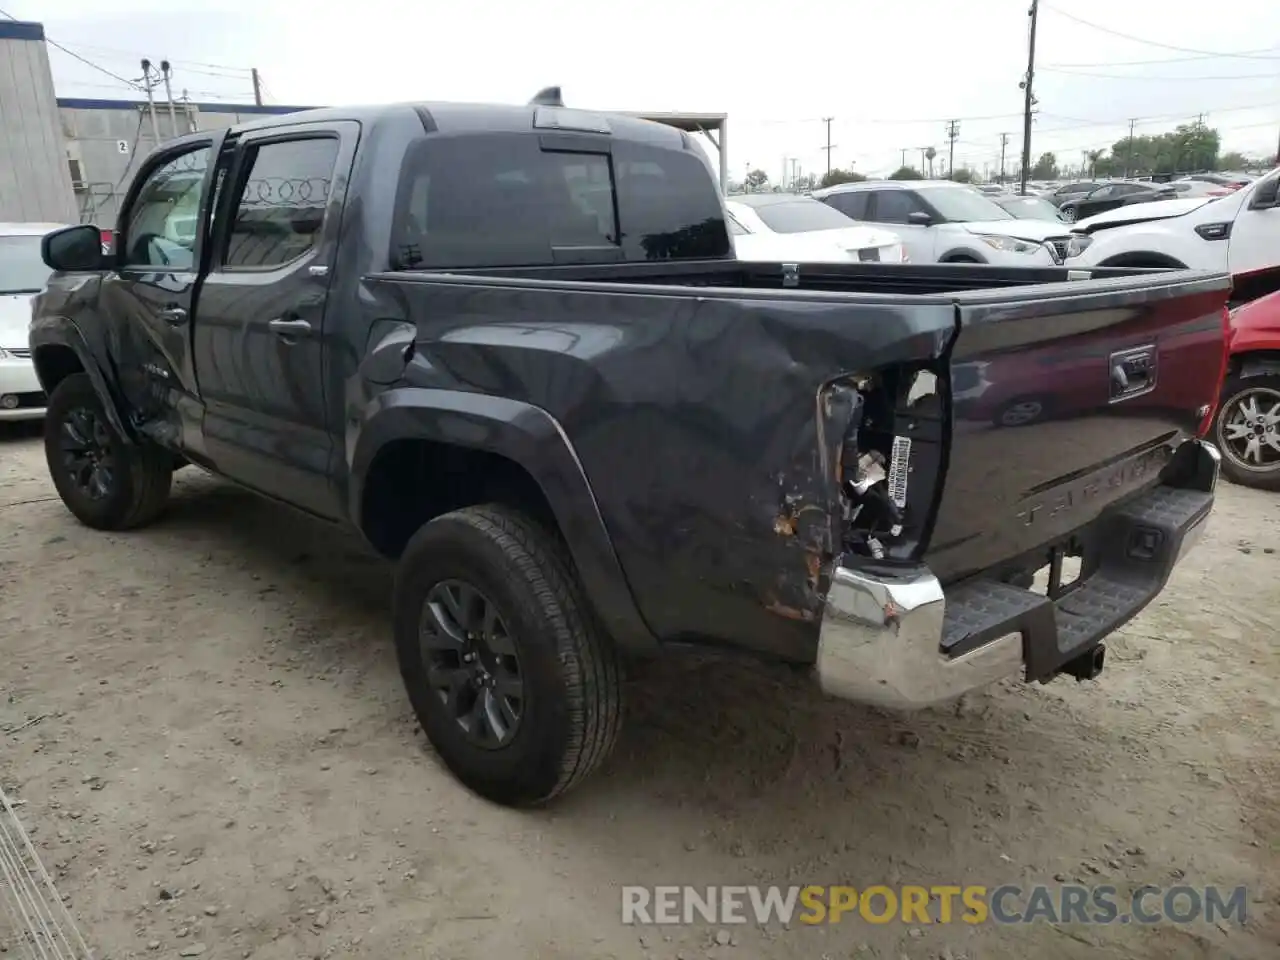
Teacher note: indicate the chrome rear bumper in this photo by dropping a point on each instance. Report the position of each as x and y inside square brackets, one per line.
[882, 635]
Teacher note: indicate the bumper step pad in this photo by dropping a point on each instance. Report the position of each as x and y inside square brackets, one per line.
[1129, 554]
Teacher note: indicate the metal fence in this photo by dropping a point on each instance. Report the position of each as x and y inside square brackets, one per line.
[34, 921]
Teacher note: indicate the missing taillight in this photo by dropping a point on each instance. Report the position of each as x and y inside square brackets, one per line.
[890, 462]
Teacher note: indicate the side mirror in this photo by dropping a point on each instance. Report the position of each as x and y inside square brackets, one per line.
[73, 249]
[919, 218]
[1265, 196]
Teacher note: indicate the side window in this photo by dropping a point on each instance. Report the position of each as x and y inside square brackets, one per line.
[502, 201]
[280, 202]
[160, 226]
[1102, 193]
[668, 204]
[893, 206]
[498, 201]
[853, 204]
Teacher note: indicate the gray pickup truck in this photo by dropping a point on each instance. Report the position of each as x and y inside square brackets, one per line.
[511, 346]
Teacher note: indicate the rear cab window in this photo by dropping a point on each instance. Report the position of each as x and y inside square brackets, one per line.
[501, 200]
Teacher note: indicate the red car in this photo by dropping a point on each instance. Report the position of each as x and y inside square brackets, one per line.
[1247, 426]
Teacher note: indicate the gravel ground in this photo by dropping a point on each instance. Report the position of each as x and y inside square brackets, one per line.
[224, 764]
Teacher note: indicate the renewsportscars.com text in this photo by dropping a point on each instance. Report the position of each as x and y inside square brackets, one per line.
[1006, 904]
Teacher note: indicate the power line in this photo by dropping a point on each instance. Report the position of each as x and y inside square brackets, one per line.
[116, 52]
[1156, 43]
[1132, 76]
[1148, 63]
[89, 63]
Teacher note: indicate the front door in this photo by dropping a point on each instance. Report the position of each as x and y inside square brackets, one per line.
[260, 315]
[151, 288]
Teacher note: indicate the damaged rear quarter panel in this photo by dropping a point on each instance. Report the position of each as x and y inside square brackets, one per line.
[699, 424]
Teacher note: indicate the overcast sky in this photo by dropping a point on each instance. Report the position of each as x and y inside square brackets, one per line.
[890, 73]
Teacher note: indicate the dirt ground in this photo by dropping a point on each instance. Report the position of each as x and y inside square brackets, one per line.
[224, 758]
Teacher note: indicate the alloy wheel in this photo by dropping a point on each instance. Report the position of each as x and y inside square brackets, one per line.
[85, 443]
[1249, 430]
[471, 663]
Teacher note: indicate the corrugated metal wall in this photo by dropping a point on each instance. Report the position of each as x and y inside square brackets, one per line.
[35, 181]
[110, 138]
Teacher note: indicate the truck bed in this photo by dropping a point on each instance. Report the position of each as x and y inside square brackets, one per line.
[734, 378]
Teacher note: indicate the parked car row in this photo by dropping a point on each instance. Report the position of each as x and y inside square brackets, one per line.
[22, 275]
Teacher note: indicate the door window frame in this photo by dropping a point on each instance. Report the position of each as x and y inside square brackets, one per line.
[210, 142]
[873, 207]
[239, 168]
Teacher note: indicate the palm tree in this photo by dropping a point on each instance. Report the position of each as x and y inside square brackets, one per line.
[1094, 157]
[929, 154]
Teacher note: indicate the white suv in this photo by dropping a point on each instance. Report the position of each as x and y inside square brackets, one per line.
[940, 221]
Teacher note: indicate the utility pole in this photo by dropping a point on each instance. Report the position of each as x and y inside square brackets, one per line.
[257, 86]
[148, 83]
[830, 145]
[1004, 142]
[1128, 154]
[167, 72]
[953, 131]
[1028, 99]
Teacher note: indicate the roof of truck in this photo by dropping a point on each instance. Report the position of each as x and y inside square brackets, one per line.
[451, 118]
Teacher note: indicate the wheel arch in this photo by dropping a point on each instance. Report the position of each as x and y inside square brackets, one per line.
[1257, 363]
[962, 255]
[419, 453]
[58, 350]
[1144, 258]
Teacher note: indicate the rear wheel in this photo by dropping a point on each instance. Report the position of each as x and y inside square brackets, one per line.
[107, 483]
[516, 685]
[1247, 431]
[1022, 412]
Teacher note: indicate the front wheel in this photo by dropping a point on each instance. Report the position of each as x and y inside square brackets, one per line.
[106, 482]
[1068, 214]
[1247, 430]
[515, 683]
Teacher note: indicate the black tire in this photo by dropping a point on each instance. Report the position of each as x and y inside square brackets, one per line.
[134, 489]
[1235, 391]
[570, 671]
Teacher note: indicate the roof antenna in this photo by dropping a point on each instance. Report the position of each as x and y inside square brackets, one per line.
[547, 97]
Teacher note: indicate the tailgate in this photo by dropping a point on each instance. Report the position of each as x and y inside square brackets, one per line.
[1067, 398]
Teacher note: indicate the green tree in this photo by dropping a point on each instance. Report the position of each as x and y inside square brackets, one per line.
[964, 175]
[832, 177]
[757, 180]
[1233, 160]
[906, 173]
[1046, 168]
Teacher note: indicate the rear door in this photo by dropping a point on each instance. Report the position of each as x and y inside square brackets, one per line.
[260, 318]
[160, 246]
[1079, 399]
[892, 208]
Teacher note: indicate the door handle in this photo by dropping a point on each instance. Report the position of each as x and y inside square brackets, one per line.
[174, 316]
[288, 329]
